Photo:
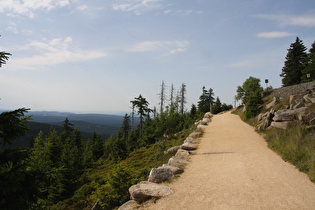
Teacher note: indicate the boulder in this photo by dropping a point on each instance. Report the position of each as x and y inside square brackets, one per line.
[194, 134]
[281, 125]
[288, 115]
[174, 169]
[172, 149]
[129, 205]
[309, 98]
[146, 190]
[273, 103]
[177, 162]
[191, 140]
[189, 146]
[205, 121]
[208, 115]
[183, 154]
[159, 175]
[201, 127]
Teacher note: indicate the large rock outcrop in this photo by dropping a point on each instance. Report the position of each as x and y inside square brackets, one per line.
[300, 109]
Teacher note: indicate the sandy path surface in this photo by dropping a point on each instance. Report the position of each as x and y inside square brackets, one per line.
[234, 169]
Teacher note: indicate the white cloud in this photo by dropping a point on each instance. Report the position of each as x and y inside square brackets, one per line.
[273, 34]
[137, 6]
[53, 52]
[302, 20]
[27, 7]
[171, 46]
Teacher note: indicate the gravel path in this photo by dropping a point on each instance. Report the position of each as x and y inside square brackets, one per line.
[234, 169]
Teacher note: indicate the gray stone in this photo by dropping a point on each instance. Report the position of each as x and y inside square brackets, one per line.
[129, 205]
[205, 121]
[183, 154]
[194, 134]
[189, 146]
[177, 162]
[201, 127]
[208, 115]
[172, 149]
[281, 125]
[273, 103]
[174, 169]
[159, 175]
[146, 190]
[191, 140]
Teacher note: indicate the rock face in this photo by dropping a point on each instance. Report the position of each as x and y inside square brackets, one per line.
[301, 100]
[159, 175]
[146, 190]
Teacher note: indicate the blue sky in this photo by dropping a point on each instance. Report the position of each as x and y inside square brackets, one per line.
[95, 56]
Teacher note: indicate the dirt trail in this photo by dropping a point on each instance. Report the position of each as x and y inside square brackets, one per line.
[234, 169]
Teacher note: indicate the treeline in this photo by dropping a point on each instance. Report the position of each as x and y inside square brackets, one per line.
[299, 66]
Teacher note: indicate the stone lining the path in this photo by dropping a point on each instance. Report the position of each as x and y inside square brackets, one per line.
[153, 188]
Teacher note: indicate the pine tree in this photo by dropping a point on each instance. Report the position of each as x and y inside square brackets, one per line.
[295, 63]
[310, 68]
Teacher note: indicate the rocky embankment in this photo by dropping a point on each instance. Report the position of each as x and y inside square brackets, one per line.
[154, 188]
[289, 106]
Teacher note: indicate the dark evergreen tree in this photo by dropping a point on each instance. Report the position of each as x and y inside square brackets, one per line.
[310, 67]
[205, 100]
[193, 111]
[295, 63]
[217, 107]
[13, 124]
[143, 108]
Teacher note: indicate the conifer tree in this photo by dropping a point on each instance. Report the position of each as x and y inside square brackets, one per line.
[310, 67]
[295, 63]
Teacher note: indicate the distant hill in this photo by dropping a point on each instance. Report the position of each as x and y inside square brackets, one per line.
[104, 124]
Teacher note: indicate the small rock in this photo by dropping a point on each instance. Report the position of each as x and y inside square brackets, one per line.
[191, 140]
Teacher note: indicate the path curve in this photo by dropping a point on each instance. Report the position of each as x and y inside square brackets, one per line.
[234, 169]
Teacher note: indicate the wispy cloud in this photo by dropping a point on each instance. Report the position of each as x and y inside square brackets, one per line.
[302, 20]
[137, 6]
[274, 34]
[172, 47]
[27, 7]
[53, 52]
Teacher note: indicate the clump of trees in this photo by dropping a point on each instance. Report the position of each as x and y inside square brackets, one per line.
[250, 93]
[207, 103]
[299, 66]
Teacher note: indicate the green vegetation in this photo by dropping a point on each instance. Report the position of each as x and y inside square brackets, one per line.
[299, 65]
[251, 95]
